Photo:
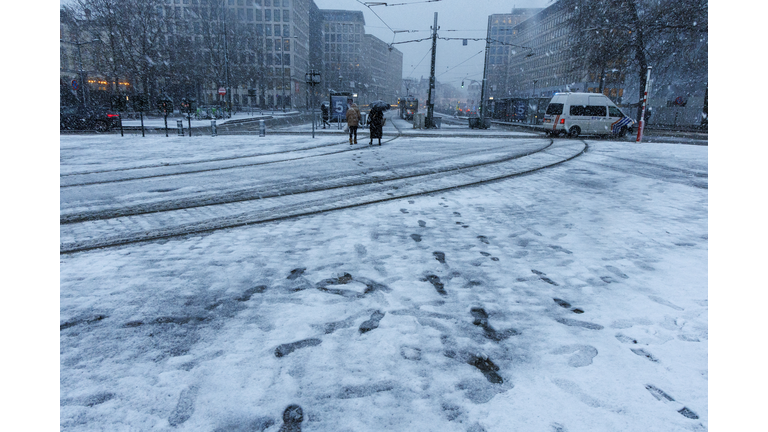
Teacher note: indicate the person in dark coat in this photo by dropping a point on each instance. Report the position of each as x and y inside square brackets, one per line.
[324, 109]
[376, 125]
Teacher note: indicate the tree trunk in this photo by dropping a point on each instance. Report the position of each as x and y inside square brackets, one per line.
[642, 62]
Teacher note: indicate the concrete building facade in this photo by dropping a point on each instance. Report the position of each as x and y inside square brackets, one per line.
[501, 31]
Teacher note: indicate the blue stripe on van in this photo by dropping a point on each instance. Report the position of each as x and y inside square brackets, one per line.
[617, 125]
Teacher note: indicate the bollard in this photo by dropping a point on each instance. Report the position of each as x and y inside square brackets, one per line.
[180, 127]
[213, 127]
[262, 128]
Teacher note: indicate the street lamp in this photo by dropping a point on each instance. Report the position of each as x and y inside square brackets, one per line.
[312, 79]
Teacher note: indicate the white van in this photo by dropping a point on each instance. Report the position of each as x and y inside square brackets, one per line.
[577, 114]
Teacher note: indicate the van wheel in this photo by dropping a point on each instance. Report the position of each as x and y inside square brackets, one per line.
[574, 132]
[101, 126]
[623, 132]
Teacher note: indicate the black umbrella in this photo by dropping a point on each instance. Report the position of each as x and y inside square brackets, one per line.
[378, 105]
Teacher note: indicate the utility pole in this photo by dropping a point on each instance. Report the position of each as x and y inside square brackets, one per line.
[430, 101]
[641, 120]
[485, 71]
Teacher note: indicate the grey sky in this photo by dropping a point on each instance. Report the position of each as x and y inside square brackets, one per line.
[455, 19]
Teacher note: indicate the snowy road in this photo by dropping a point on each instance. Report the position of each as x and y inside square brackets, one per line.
[116, 205]
[573, 298]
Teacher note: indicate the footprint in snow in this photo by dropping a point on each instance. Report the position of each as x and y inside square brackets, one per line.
[617, 272]
[285, 349]
[422, 223]
[664, 397]
[372, 323]
[416, 237]
[292, 418]
[577, 323]
[582, 354]
[295, 273]
[185, 406]
[643, 353]
[440, 256]
[404, 211]
[435, 281]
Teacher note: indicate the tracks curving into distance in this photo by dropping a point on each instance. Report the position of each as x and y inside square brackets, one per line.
[284, 197]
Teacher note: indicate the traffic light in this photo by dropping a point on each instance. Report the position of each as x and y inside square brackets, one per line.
[462, 84]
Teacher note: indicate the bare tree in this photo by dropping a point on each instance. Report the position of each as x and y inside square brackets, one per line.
[614, 35]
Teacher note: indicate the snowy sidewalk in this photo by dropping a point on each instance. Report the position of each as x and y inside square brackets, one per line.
[572, 299]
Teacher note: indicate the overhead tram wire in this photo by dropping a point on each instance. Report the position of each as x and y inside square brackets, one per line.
[478, 53]
[422, 59]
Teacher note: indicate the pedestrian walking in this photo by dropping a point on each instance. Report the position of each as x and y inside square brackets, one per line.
[324, 109]
[376, 125]
[353, 120]
[377, 119]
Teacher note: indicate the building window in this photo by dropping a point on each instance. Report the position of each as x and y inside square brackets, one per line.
[267, 3]
[286, 30]
[257, 12]
[249, 13]
[286, 44]
[286, 60]
[268, 15]
[277, 15]
[286, 16]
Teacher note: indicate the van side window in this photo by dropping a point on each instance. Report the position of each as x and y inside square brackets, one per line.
[555, 109]
[578, 110]
[615, 112]
[596, 111]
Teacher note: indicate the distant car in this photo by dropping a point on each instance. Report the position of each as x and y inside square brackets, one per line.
[85, 118]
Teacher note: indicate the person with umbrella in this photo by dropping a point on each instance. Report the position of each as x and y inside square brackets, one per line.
[324, 109]
[377, 119]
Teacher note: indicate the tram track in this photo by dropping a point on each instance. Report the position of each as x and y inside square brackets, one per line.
[186, 220]
[305, 185]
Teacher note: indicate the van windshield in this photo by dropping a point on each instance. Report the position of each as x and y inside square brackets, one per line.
[555, 109]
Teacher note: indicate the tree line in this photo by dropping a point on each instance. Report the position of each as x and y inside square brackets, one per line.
[145, 43]
[631, 35]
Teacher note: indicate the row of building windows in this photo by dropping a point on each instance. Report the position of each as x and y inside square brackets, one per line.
[352, 48]
[258, 29]
[332, 37]
[342, 28]
[343, 58]
[242, 14]
[277, 3]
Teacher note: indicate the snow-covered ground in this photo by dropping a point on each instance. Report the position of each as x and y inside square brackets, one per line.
[571, 299]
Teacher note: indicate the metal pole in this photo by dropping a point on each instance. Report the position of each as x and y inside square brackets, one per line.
[282, 71]
[430, 101]
[642, 113]
[485, 71]
[226, 59]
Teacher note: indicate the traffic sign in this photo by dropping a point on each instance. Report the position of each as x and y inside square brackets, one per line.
[222, 91]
